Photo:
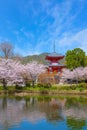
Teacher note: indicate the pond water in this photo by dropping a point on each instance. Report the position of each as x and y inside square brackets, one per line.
[43, 113]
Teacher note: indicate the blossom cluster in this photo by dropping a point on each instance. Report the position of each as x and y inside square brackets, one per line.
[13, 72]
[79, 74]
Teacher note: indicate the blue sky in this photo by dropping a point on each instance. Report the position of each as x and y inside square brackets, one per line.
[33, 26]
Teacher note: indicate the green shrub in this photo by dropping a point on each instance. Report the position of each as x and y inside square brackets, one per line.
[84, 85]
[10, 87]
[39, 85]
[1, 88]
[45, 85]
[19, 87]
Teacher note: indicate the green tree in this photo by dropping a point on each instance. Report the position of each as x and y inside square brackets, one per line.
[86, 61]
[75, 58]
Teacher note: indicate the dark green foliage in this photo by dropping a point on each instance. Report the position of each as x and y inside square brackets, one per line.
[75, 58]
[44, 85]
[75, 124]
[28, 84]
[18, 87]
[47, 85]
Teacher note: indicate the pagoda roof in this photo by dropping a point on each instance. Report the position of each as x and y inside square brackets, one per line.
[54, 54]
[56, 65]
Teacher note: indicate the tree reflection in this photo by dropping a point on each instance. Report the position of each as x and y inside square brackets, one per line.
[34, 109]
[54, 111]
[4, 102]
[76, 124]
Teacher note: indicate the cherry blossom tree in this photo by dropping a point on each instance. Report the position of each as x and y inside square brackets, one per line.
[85, 73]
[17, 69]
[67, 74]
[14, 73]
[78, 74]
[10, 72]
[25, 74]
[35, 69]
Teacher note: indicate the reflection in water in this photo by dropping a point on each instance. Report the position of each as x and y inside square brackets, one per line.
[76, 124]
[72, 112]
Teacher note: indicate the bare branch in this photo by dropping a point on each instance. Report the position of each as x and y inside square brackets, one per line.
[6, 49]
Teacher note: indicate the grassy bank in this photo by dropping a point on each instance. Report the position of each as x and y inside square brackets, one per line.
[54, 89]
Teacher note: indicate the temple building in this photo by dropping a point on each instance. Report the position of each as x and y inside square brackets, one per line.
[53, 62]
[54, 68]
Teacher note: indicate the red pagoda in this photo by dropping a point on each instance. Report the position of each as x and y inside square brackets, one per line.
[54, 65]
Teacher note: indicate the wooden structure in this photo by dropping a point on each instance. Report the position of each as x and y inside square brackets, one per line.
[54, 65]
[54, 68]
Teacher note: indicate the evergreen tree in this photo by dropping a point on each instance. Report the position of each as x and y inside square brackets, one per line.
[75, 58]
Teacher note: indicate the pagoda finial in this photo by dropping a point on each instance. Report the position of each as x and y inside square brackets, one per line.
[54, 47]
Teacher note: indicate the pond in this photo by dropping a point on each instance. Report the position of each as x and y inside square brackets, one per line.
[43, 113]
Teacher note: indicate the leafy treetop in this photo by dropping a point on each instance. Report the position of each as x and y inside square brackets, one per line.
[75, 58]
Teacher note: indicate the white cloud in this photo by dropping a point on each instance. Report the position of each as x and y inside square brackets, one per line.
[67, 41]
[59, 30]
[62, 19]
[78, 39]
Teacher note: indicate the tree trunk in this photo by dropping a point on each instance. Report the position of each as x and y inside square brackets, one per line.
[4, 84]
[33, 83]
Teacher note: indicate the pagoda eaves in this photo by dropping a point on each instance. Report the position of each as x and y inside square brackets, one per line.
[54, 59]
